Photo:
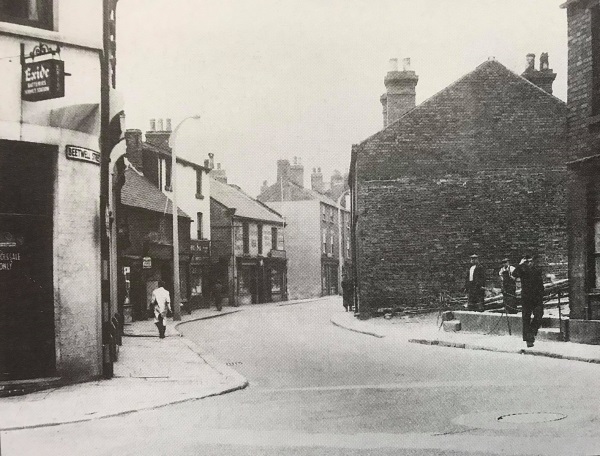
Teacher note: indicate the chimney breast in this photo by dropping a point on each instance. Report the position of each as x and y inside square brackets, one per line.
[400, 96]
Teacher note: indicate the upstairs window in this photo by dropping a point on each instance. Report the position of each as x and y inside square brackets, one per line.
[246, 237]
[199, 184]
[200, 231]
[260, 239]
[595, 44]
[324, 213]
[273, 238]
[34, 13]
[164, 174]
[324, 240]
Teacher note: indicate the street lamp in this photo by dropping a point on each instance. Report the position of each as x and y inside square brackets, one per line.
[176, 285]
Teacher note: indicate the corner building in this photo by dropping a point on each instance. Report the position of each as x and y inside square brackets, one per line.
[50, 273]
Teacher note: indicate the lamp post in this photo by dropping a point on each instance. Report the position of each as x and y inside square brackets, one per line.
[176, 285]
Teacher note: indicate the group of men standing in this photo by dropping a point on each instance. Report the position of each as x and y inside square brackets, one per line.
[532, 292]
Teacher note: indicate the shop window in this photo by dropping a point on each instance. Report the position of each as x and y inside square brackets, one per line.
[260, 239]
[246, 237]
[274, 238]
[595, 44]
[34, 13]
[199, 228]
[199, 184]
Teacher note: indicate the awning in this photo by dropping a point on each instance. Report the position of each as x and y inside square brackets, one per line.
[81, 117]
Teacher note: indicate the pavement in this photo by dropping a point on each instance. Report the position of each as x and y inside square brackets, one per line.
[149, 373]
[426, 329]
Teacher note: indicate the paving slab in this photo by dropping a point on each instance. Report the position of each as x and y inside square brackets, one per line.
[150, 373]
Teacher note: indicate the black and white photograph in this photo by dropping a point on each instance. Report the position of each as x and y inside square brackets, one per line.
[299, 227]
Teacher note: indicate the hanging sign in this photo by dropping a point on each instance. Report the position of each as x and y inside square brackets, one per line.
[83, 154]
[43, 80]
[147, 263]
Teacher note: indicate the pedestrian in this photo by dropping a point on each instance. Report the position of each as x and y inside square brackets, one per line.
[509, 286]
[347, 290]
[218, 295]
[532, 297]
[162, 304]
[475, 285]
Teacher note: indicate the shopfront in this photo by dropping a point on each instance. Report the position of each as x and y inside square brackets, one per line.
[199, 277]
[26, 260]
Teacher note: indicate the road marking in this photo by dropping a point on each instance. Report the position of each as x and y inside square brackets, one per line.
[398, 386]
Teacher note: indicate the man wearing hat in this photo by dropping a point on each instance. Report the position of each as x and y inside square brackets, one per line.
[509, 286]
[532, 297]
[475, 285]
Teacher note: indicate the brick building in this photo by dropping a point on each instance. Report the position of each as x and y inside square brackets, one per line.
[317, 229]
[584, 148]
[477, 168]
[249, 245]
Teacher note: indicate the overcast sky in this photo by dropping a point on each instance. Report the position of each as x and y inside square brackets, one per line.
[282, 78]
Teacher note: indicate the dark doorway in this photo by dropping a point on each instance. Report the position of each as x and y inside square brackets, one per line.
[26, 260]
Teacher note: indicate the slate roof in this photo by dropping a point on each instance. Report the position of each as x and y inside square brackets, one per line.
[295, 192]
[141, 193]
[244, 205]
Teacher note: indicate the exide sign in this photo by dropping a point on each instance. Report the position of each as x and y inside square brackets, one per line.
[43, 80]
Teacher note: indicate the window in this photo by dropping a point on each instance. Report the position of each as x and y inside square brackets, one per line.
[331, 244]
[199, 184]
[595, 44]
[164, 173]
[331, 214]
[246, 237]
[200, 232]
[324, 236]
[34, 13]
[324, 213]
[274, 238]
[260, 239]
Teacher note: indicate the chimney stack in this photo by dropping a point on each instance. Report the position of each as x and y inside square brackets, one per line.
[264, 187]
[133, 141]
[544, 77]
[316, 181]
[219, 174]
[297, 172]
[283, 171]
[400, 96]
[157, 136]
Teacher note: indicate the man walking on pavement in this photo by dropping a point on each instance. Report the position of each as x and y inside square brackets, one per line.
[475, 285]
[162, 302]
[509, 286]
[532, 297]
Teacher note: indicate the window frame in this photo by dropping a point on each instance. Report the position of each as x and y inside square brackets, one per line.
[45, 14]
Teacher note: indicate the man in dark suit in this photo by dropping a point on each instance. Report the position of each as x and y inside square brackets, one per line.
[532, 297]
[475, 285]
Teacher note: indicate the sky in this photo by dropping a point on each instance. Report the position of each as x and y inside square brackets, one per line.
[273, 79]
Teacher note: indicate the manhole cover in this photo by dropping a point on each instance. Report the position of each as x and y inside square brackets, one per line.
[531, 417]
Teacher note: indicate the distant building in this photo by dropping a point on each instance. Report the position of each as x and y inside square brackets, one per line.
[584, 189]
[477, 168]
[249, 245]
[316, 229]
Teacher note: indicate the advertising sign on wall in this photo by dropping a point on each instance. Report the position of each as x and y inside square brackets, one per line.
[43, 80]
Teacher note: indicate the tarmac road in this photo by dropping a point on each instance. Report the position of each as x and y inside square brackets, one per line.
[318, 389]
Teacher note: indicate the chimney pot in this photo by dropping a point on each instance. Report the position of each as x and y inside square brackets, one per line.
[393, 64]
[152, 124]
[160, 125]
[168, 127]
[530, 61]
[406, 64]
